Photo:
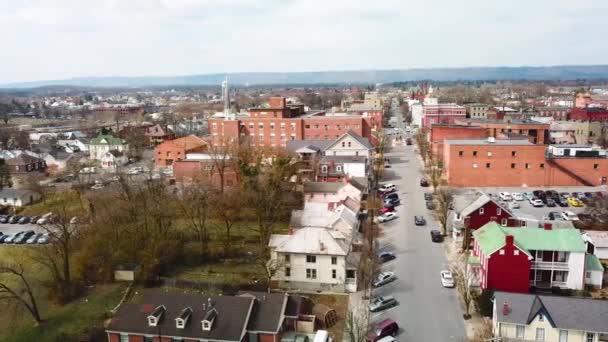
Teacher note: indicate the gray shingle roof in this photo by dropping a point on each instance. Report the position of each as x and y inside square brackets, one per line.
[267, 314]
[319, 145]
[343, 159]
[322, 186]
[564, 312]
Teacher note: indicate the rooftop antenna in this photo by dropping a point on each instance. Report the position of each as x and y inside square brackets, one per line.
[226, 97]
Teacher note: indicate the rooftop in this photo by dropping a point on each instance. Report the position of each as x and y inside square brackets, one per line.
[486, 142]
[310, 241]
[343, 159]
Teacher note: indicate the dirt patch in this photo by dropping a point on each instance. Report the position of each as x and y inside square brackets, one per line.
[338, 302]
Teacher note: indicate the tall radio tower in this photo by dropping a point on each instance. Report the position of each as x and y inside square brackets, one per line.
[226, 96]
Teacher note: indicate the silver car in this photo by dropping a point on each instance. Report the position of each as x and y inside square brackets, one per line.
[384, 278]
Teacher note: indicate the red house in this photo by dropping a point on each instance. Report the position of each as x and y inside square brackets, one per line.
[484, 210]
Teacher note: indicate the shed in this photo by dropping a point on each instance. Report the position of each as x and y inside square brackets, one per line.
[126, 271]
[325, 315]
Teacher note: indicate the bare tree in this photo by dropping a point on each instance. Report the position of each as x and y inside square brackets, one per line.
[423, 144]
[15, 287]
[460, 272]
[195, 205]
[357, 324]
[445, 199]
[222, 159]
[227, 208]
[5, 176]
[435, 171]
[485, 333]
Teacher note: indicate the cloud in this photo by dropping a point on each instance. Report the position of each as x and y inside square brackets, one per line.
[50, 39]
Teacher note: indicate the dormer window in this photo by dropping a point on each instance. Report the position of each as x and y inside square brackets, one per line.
[339, 168]
[207, 322]
[156, 315]
[182, 320]
[324, 168]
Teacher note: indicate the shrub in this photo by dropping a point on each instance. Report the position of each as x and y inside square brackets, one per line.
[484, 302]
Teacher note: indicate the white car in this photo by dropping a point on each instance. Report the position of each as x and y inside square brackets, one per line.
[387, 188]
[517, 196]
[569, 216]
[97, 186]
[505, 196]
[133, 171]
[514, 205]
[387, 217]
[168, 172]
[536, 202]
[447, 280]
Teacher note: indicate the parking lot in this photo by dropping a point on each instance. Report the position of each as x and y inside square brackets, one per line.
[464, 196]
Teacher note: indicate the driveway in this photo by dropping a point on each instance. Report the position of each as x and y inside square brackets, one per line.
[426, 310]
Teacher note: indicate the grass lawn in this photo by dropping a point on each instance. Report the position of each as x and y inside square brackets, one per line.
[56, 202]
[233, 272]
[73, 318]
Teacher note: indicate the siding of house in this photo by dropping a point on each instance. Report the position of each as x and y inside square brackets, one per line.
[348, 146]
[551, 334]
[507, 271]
[476, 220]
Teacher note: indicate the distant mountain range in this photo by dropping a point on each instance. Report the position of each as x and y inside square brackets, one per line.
[562, 72]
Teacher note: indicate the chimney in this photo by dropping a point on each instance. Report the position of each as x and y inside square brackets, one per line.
[506, 309]
[321, 246]
[547, 226]
[509, 240]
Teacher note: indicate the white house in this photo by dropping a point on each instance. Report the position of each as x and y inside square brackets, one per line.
[18, 197]
[105, 143]
[337, 168]
[350, 144]
[314, 259]
[599, 242]
[330, 192]
[531, 317]
[74, 145]
[113, 159]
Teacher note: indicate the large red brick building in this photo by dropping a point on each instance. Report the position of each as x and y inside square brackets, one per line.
[171, 151]
[278, 122]
[442, 113]
[494, 162]
[538, 131]
[589, 114]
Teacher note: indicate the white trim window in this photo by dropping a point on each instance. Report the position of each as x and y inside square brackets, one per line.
[590, 337]
[520, 331]
[540, 334]
[563, 336]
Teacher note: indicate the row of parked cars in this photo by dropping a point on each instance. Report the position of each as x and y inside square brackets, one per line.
[19, 219]
[552, 198]
[24, 237]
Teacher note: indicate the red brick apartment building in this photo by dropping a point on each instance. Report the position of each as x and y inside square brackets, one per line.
[493, 162]
[442, 113]
[278, 122]
[171, 151]
[494, 127]
[589, 114]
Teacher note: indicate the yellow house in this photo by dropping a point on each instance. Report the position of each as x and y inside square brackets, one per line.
[529, 317]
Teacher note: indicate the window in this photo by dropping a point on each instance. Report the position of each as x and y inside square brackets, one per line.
[563, 336]
[541, 318]
[512, 165]
[326, 127]
[333, 274]
[311, 273]
[334, 260]
[214, 125]
[272, 125]
[124, 338]
[596, 166]
[261, 125]
[501, 252]
[513, 153]
[480, 211]
[542, 165]
[487, 165]
[349, 144]
[540, 334]
[587, 274]
[288, 271]
[503, 222]
[474, 153]
[527, 165]
[475, 165]
[287, 258]
[148, 339]
[520, 331]
[489, 154]
[498, 211]
[311, 259]
[460, 153]
[343, 144]
[516, 252]
[307, 126]
[324, 169]
[317, 126]
[590, 337]
[339, 168]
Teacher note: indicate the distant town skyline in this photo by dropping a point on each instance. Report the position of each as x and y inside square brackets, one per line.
[69, 38]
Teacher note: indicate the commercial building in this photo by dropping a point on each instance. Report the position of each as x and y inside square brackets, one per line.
[590, 114]
[434, 112]
[557, 113]
[277, 122]
[536, 132]
[516, 259]
[171, 151]
[529, 317]
[476, 110]
[494, 162]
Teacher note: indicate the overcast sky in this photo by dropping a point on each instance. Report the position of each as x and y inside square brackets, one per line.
[57, 39]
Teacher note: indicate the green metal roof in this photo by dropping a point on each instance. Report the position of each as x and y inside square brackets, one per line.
[592, 263]
[109, 140]
[491, 237]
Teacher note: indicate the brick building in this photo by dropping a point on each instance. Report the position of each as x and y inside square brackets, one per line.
[492, 162]
[589, 114]
[557, 113]
[440, 132]
[537, 130]
[441, 113]
[171, 151]
[277, 122]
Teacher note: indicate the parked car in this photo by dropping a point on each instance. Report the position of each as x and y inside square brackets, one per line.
[555, 216]
[419, 220]
[575, 202]
[565, 195]
[386, 257]
[97, 187]
[549, 202]
[3, 218]
[569, 216]
[387, 188]
[4, 237]
[391, 195]
[428, 196]
[536, 202]
[384, 278]
[436, 236]
[447, 280]
[391, 202]
[12, 238]
[43, 239]
[33, 239]
[24, 237]
[24, 220]
[505, 196]
[382, 303]
[387, 209]
[430, 205]
[424, 182]
[528, 195]
[539, 194]
[387, 217]
[384, 328]
[517, 196]
[552, 194]
[561, 201]
[14, 219]
[34, 219]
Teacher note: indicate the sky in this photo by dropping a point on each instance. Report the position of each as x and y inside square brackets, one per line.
[59, 39]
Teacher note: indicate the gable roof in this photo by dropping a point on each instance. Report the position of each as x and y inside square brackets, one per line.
[361, 140]
[491, 237]
[569, 313]
[188, 143]
[317, 145]
[482, 200]
[310, 241]
[233, 314]
[106, 139]
[268, 312]
[592, 263]
[23, 159]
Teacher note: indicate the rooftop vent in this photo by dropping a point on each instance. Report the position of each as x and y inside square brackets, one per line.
[182, 320]
[156, 315]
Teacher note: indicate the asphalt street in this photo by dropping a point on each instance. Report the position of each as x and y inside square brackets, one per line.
[426, 310]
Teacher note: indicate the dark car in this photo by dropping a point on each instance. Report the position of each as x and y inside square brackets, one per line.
[387, 327]
[391, 202]
[386, 257]
[419, 220]
[24, 237]
[424, 182]
[428, 196]
[561, 202]
[436, 236]
[565, 195]
[430, 205]
[3, 219]
[589, 195]
[382, 303]
[4, 237]
[555, 216]
[551, 194]
[391, 196]
[539, 194]
[549, 202]
[14, 219]
[24, 220]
